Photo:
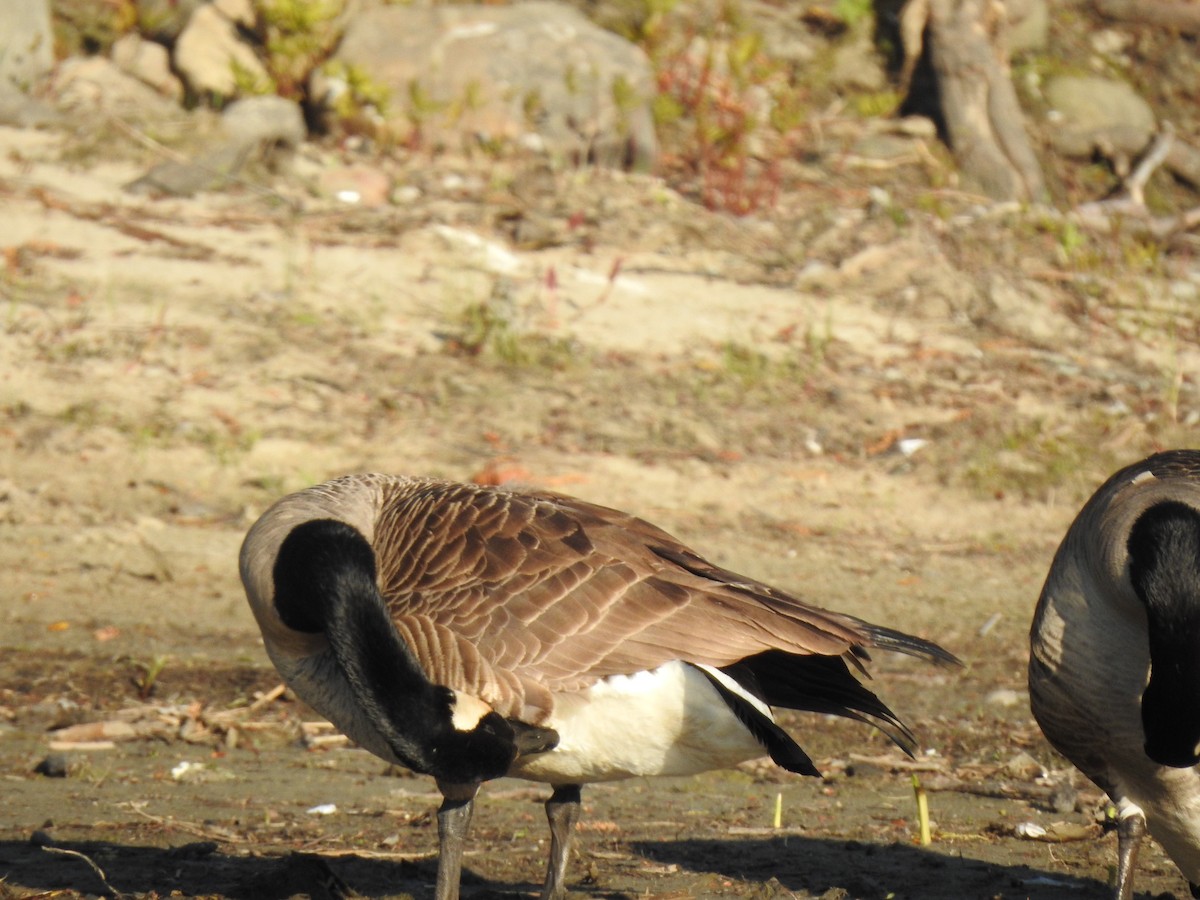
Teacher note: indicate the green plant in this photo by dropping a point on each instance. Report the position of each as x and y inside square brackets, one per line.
[146, 674]
[727, 112]
[745, 363]
[90, 26]
[852, 12]
[248, 82]
[297, 36]
[360, 94]
[487, 329]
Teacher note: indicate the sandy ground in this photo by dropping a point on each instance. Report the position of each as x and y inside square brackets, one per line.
[896, 418]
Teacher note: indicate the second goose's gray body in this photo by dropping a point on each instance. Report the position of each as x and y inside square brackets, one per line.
[1114, 671]
[470, 632]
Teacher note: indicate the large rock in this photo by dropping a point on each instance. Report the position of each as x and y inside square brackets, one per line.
[26, 43]
[1028, 25]
[89, 84]
[1090, 113]
[539, 74]
[148, 62]
[211, 55]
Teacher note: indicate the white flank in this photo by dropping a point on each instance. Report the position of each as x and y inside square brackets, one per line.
[669, 721]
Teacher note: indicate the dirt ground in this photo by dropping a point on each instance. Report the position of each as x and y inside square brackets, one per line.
[890, 403]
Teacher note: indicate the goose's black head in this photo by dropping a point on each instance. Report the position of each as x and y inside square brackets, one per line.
[319, 563]
[1164, 569]
[488, 749]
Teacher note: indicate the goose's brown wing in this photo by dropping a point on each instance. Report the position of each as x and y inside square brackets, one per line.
[512, 595]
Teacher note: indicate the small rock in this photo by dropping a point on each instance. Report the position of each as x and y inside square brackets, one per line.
[52, 713]
[360, 185]
[885, 147]
[406, 194]
[1111, 42]
[1065, 798]
[856, 64]
[53, 766]
[210, 50]
[20, 111]
[1023, 766]
[199, 773]
[149, 63]
[26, 44]
[914, 126]
[264, 120]
[96, 83]
[1004, 697]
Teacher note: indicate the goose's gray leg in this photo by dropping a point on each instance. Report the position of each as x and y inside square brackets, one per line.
[454, 818]
[562, 811]
[1131, 828]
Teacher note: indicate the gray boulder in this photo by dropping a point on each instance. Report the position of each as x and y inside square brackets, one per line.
[26, 44]
[538, 74]
[1091, 113]
[85, 85]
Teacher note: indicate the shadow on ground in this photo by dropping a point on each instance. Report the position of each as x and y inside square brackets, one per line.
[853, 869]
[808, 866]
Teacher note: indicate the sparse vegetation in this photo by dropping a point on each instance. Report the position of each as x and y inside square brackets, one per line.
[297, 36]
[727, 113]
[146, 673]
[823, 394]
[487, 329]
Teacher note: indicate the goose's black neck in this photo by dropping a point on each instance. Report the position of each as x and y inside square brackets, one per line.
[1164, 570]
[323, 565]
[325, 582]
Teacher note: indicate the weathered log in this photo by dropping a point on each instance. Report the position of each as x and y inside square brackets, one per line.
[984, 122]
[1182, 16]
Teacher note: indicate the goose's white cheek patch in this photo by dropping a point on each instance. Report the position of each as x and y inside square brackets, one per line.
[468, 711]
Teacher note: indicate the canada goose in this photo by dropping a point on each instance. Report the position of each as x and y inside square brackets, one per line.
[1114, 667]
[469, 632]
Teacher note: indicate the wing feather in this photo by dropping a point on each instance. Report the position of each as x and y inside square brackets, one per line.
[512, 595]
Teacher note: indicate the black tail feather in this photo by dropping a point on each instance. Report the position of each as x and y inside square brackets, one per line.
[783, 750]
[899, 642]
[820, 684]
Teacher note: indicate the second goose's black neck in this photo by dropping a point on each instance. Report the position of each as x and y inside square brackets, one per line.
[1164, 569]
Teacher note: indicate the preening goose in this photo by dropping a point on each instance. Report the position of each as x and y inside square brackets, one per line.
[1114, 668]
[470, 632]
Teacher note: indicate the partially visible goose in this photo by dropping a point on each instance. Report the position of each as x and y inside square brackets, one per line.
[1114, 668]
[469, 632]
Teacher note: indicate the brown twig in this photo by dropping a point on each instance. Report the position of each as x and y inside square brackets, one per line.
[112, 891]
[1181, 16]
[1128, 209]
